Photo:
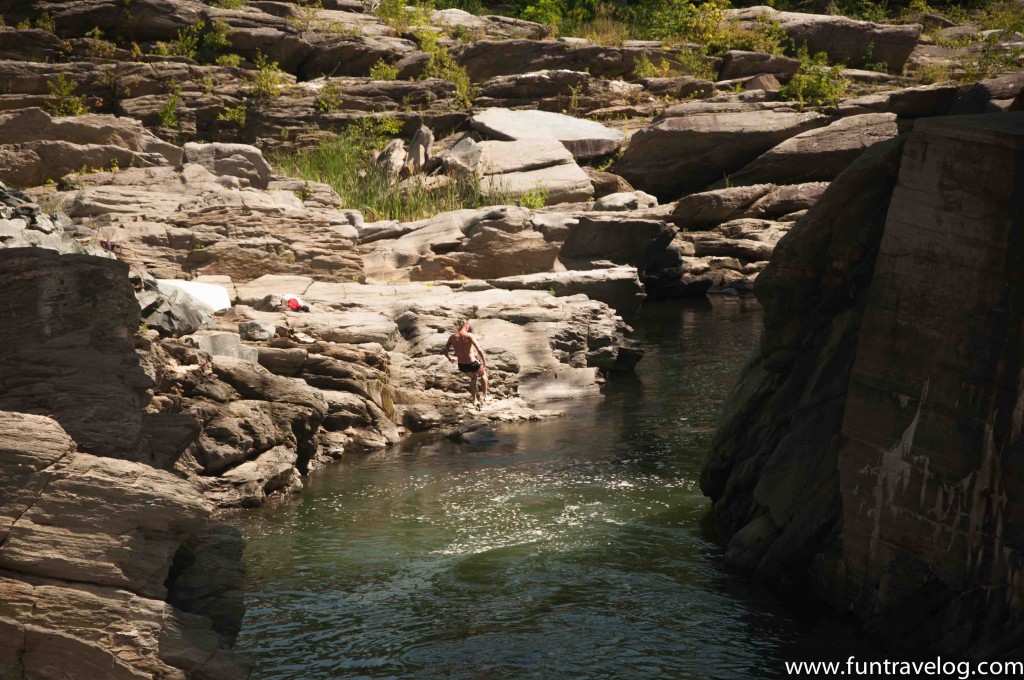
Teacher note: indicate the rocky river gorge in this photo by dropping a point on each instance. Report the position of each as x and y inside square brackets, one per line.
[771, 259]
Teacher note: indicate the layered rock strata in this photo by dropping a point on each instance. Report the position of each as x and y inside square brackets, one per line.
[870, 442]
[89, 566]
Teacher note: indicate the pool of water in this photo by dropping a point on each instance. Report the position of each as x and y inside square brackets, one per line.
[570, 548]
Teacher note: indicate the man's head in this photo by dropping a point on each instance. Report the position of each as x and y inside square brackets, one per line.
[462, 326]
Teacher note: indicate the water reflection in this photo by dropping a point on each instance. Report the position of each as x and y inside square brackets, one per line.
[568, 549]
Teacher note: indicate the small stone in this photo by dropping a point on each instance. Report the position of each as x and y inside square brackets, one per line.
[257, 331]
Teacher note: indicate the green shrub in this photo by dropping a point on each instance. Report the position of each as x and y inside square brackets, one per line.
[330, 98]
[169, 112]
[186, 44]
[645, 68]
[227, 4]
[816, 83]
[535, 198]
[99, 47]
[233, 114]
[307, 15]
[216, 38]
[65, 101]
[268, 80]
[989, 59]
[394, 14]
[232, 60]
[46, 23]
[384, 71]
[441, 65]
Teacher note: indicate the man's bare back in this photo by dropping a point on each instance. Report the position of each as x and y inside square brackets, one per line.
[464, 344]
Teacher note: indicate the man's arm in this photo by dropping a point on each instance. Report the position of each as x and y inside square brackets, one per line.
[483, 359]
[447, 349]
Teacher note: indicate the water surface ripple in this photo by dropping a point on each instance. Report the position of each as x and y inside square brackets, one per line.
[568, 549]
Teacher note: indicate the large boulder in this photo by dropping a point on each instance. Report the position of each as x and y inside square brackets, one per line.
[847, 41]
[743, 64]
[457, 20]
[485, 59]
[684, 154]
[66, 326]
[35, 147]
[617, 287]
[585, 139]
[868, 447]
[620, 239]
[512, 169]
[91, 546]
[237, 160]
[819, 154]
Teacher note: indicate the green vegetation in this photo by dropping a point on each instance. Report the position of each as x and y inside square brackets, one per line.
[66, 101]
[383, 71]
[169, 112]
[45, 23]
[227, 4]
[645, 68]
[307, 15]
[268, 80]
[815, 83]
[190, 40]
[535, 198]
[330, 98]
[990, 58]
[186, 44]
[232, 60]
[216, 38]
[346, 163]
[99, 47]
[233, 114]
[442, 65]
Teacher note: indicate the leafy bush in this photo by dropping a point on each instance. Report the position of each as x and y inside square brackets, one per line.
[268, 80]
[383, 71]
[330, 98]
[990, 58]
[216, 38]
[441, 65]
[232, 60]
[227, 4]
[65, 100]
[233, 114]
[169, 112]
[816, 83]
[535, 198]
[645, 68]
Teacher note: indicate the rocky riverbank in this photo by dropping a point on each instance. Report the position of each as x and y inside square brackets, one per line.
[482, 168]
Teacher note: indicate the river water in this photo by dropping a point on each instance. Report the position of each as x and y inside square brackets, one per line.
[570, 548]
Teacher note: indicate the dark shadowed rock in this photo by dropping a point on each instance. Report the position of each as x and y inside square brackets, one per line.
[67, 324]
[622, 240]
[741, 64]
[818, 155]
[680, 155]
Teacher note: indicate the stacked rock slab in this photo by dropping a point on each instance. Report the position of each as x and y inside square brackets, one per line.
[874, 440]
[87, 546]
[929, 464]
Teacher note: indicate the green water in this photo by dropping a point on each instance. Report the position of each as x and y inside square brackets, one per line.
[570, 548]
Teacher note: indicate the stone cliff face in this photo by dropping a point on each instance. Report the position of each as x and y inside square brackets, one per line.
[86, 549]
[109, 567]
[69, 353]
[872, 443]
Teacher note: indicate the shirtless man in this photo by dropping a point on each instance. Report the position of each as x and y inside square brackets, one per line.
[463, 343]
